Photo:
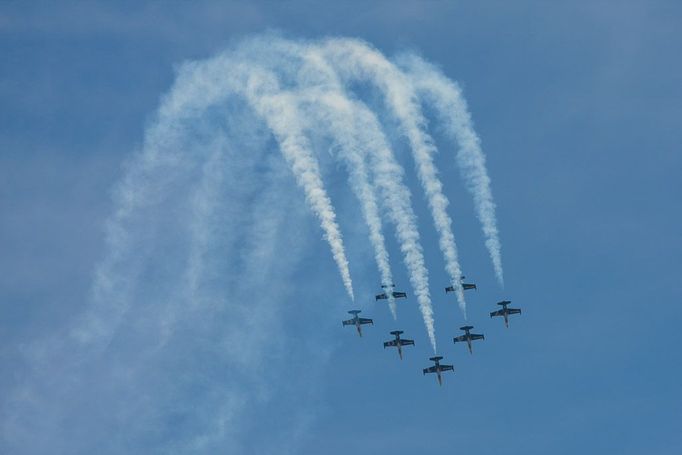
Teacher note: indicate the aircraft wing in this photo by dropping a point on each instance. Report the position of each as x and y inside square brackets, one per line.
[497, 313]
[400, 295]
[447, 368]
[406, 342]
[381, 296]
[366, 321]
[389, 344]
[348, 322]
[460, 338]
[465, 286]
[432, 369]
[514, 310]
[475, 336]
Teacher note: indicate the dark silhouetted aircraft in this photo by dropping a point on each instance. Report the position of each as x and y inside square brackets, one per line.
[357, 321]
[505, 312]
[465, 286]
[396, 294]
[398, 342]
[468, 337]
[438, 368]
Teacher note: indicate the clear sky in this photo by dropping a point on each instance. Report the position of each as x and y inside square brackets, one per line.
[579, 107]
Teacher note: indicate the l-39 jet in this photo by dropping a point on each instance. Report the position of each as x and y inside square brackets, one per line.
[505, 312]
[468, 336]
[438, 368]
[398, 342]
[396, 294]
[357, 321]
[465, 286]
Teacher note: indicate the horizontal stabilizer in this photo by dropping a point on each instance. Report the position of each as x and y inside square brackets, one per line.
[466, 327]
[396, 332]
[354, 312]
[436, 359]
[504, 302]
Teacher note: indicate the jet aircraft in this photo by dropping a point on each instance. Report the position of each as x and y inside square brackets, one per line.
[468, 337]
[438, 368]
[357, 321]
[465, 286]
[396, 294]
[398, 342]
[505, 312]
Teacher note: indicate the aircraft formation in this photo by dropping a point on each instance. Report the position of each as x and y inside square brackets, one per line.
[398, 342]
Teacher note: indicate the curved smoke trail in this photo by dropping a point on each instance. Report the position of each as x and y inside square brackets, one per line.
[327, 110]
[396, 197]
[276, 86]
[446, 96]
[353, 116]
[279, 111]
[357, 129]
[204, 258]
[327, 104]
[356, 60]
[316, 84]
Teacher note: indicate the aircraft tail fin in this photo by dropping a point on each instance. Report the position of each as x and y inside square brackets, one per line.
[396, 332]
[436, 358]
[504, 302]
[466, 327]
[354, 312]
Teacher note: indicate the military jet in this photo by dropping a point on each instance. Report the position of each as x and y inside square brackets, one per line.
[438, 368]
[505, 312]
[396, 294]
[398, 342]
[357, 321]
[468, 337]
[465, 286]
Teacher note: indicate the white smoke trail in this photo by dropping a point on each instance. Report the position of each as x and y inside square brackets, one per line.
[396, 196]
[174, 194]
[356, 60]
[149, 174]
[197, 86]
[446, 96]
[233, 73]
[200, 85]
[358, 125]
[358, 179]
[278, 110]
[206, 83]
[327, 106]
[358, 132]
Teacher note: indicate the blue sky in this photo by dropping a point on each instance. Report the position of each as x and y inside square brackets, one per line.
[578, 105]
